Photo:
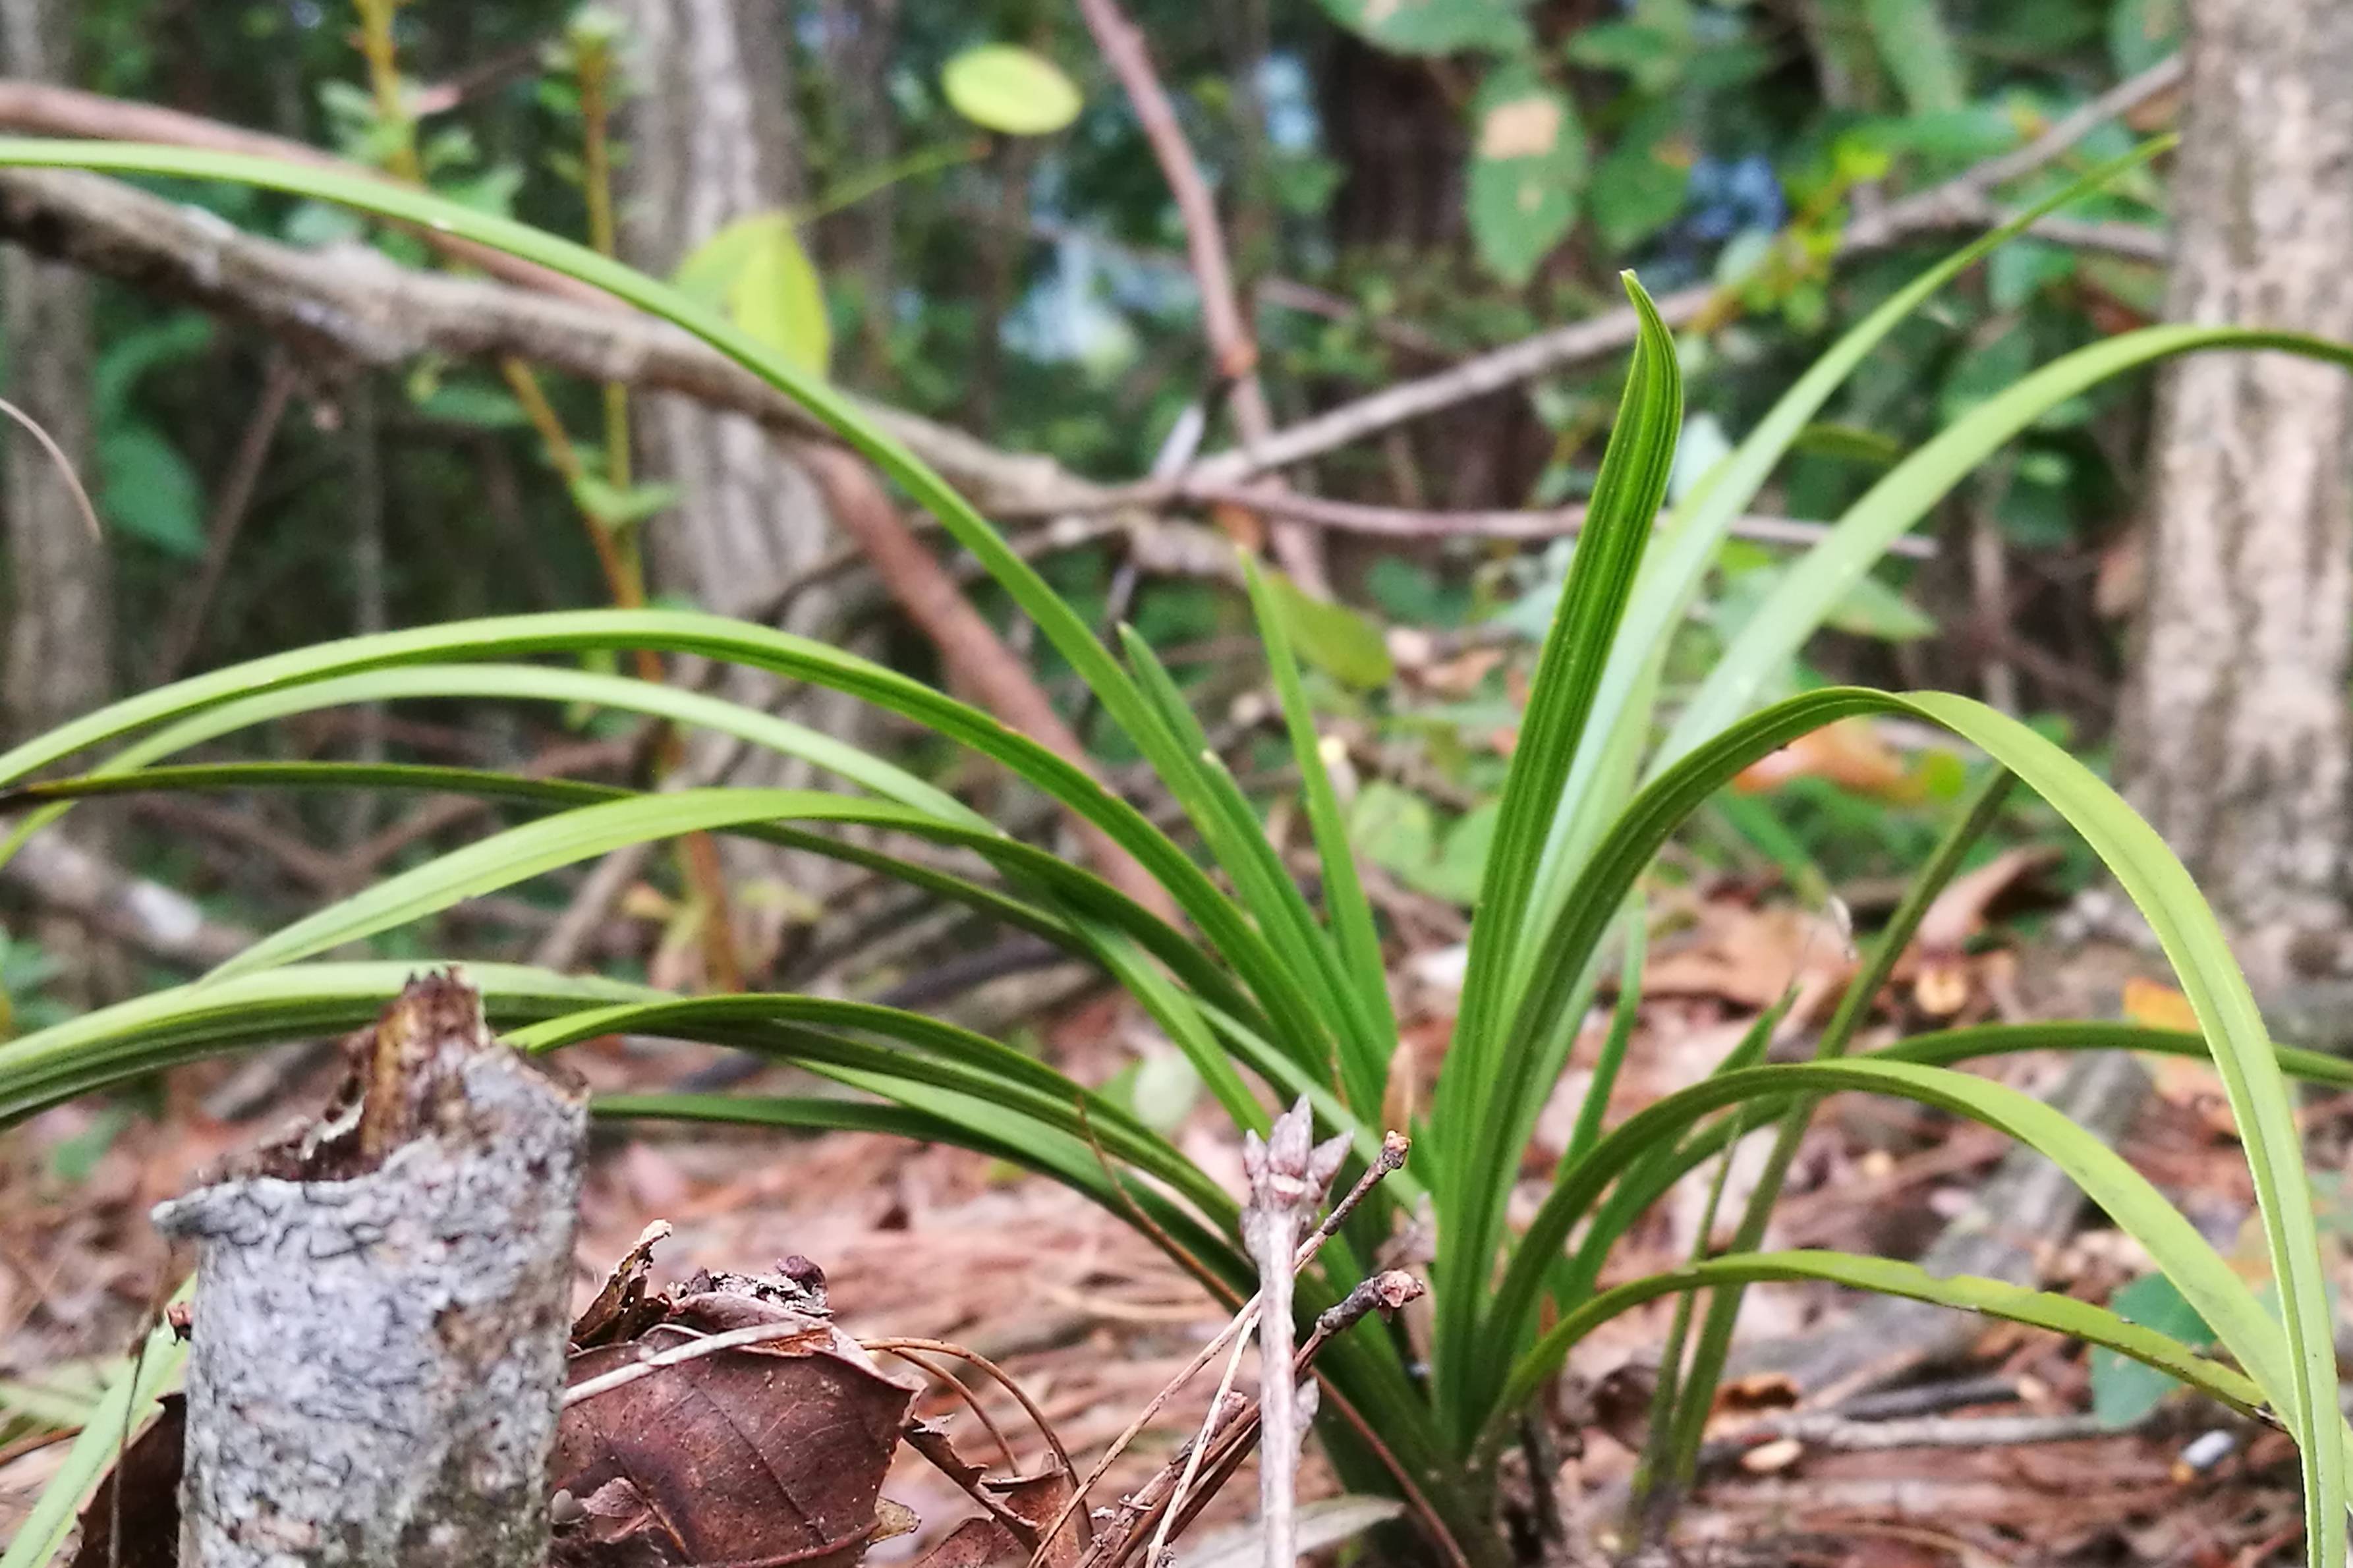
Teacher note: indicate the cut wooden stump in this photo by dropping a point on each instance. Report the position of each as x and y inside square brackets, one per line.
[378, 1341]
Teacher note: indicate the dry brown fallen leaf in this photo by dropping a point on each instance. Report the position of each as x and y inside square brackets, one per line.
[771, 1452]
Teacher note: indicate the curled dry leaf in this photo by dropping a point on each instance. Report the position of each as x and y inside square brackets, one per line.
[769, 1453]
[1034, 1502]
[622, 1309]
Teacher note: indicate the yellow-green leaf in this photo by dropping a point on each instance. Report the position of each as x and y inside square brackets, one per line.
[757, 270]
[1334, 638]
[1008, 89]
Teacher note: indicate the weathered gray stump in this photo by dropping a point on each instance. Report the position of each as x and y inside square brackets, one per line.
[377, 1349]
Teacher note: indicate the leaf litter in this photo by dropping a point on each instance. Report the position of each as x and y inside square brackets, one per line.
[936, 1244]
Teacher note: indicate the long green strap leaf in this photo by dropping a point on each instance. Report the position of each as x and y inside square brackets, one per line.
[1070, 634]
[1978, 814]
[1886, 1277]
[1829, 571]
[187, 1023]
[2185, 928]
[1364, 1068]
[754, 1020]
[1066, 883]
[122, 1410]
[2204, 1279]
[1220, 922]
[1696, 531]
[1477, 1084]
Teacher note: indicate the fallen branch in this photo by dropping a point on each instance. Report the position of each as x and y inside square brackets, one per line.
[1557, 523]
[352, 306]
[74, 880]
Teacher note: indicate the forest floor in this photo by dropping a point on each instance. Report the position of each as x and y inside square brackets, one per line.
[940, 1243]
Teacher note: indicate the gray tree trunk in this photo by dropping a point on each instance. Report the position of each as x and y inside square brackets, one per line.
[2234, 729]
[60, 612]
[711, 138]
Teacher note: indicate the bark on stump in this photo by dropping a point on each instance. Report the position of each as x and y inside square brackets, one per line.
[378, 1341]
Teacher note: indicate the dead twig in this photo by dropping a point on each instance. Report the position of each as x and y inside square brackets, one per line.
[1288, 1175]
[1557, 522]
[1231, 345]
[1003, 1380]
[1232, 1432]
[678, 1355]
[1961, 202]
[1394, 1147]
[187, 619]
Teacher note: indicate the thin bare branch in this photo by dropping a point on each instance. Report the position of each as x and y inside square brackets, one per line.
[1231, 345]
[1961, 202]
[186, 622]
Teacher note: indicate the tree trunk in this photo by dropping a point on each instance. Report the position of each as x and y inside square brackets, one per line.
[61, 613]
[2235, 726]
[711, 138]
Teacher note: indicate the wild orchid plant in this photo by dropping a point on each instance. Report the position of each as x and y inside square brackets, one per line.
[1268, 994]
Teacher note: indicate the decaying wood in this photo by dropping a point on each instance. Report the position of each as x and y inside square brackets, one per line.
[378, 1337]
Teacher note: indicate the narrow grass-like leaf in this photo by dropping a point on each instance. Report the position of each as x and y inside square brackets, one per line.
[1365, 1072]
[1069, 634]
[187, 1023]
[566, 686]
[1696, 531]
[520, 853]
[124, 1409]
[745, 1020]
[1806, 593]
[1220, 919]
[2158, 886]
[1623, 1019]
[1071, 887]
[1697, 1397]
[1968, 1293]
[967, 1123]
[1324, 1007]
[523, 852]
[1943, 1048]
[2205, 1280]
[1475, 1085]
